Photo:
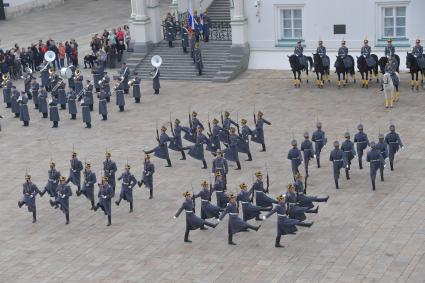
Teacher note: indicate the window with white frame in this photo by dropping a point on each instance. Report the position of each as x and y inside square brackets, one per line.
[291, 20]
[394, 22]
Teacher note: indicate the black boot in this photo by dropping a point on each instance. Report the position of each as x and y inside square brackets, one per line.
[78, 193]
[109, 220]
[121, 109]
[360, 163]
[277, 242]
[318, 162]
[131, 207]
[118, 202]
[104, 117]
[151, 193]
[336, 184]
[96, 207]
[205, 164]
[67, 218]
[263, 147]
[373, 184]
[26, 123]
[168, 163]
[382, 177]
[392, 165]
[55, 124]
[20, 204]
[92, 205]
[183, 155]
[315, 211]
[137, 99]
[34, 216]
[238, 164]
[186, 237]
[91, 107]
[230, 240]
[73, 116]
[322, 199]
[347, 174]
[303, 224]
[249, 157]
[44, 115]
[63, 106]
[88, 125]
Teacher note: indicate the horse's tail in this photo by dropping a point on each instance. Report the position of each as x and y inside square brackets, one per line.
[310, 62]
[352, 70]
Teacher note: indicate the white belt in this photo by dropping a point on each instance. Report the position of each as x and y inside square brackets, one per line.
[295, 158]
[189, 211]
[125, 183]
[318, 140]
[102, 99]
[393, 142]
[232, 213]
[362, 142]
[219, 191]
[281, 215]
[347, 150]
[259, 192]
[375, 160]
[204, 200]
[244, 202]
[51, 106]
[339, 160]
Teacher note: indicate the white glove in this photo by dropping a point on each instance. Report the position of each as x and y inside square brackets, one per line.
[174, 217]
[264, 217]
[347, 166]
[218, 220]
[31, 196]
[302, 162]
[401, 147]
[385, 165]
[314, 155]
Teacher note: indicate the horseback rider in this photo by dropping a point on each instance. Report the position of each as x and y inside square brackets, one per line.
[389, 49]
[298, 51]
[417, 52]
[365, 52]
[321, 50]
[343, 53]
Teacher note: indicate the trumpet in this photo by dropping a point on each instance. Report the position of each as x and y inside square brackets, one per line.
[5, 78]
[131, 82]
[57, 85]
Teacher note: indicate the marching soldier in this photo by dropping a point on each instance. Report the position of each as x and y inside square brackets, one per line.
[302, 197]
[72, 104]
[27, 85]
[119, 93]
[35, 86]
[103, 105]
[176, 143]
[161, 151]
[219, 188]
[249, 210]
[61, 94]
[78, 81]
[245, 133]
[193, 222]
[45, 80]
[259, 131]
[88, 185]
[349, 153]
[169, 31]
[362, 142]
[231, 152]
[109, 169]
[298, 51]
[295, 156]
[261, 198]
[14, 102]
[389, 49]
[197, 150]
[75, 171]
[382, 146]
[97, 76]
[319, 140]
[185, 37]
[215, 135]
[198, 58]
[54, 79]
[29, 193]
[7, 92]
[105, 195]
[337, 159]
[128, 183]
[42, 103]
[88, 95]
[195, 123]
[155, 80]
[308, 152]
[147, 176]
[227, 123]
[106, 86]
[23, 109]
[208, 210]
[85, 109]
[394, 144]
[124, 74]
[220, 165]
[63, 192]
[136, 88]
[321, 50]
[236, 224]
[374, 157]
[285, 225]
[52, 182]
[296, 211]
[53, 110]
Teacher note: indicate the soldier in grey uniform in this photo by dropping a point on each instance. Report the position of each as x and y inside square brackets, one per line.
[45, 78]
[198, 58]
[227, 123]
[261, 198]
[88, 185]
[109, 169]
[343, 54]
[208, 210]
[321, 50]
[302, 197]
[259, 130]
[389, 49]
[54, 79]
[394, 144]
[161, 151]
[124, 74]
[136, 88]
[88, 95]
[42, 103]
[105, 195]
[53, 111]
[35, 86]
[7, 93]
[295, 156]
[347, 148]
[63, 192]
[72, 104]
[23, 109]
[78, 80]
[29, 192]
[231, 153]
[219, 189]
[193, 222]
[169, 31]
[337, 159]
[85, 109]
[52, 182]
[147, 175]
[195, 124]
[236, 224]
[319, 140]
[106, 86]
[62, 95]
[103, 105]
[97, 75]
[220, 165]
[296, 210]
[119, 92]
[128, 183]
[298, 51]
[185, 37]
[197, 150]
[285, 225]
[374, 157]
[75, 171]
[155, 80]
[417, 52]
[249, 210]
[362, 142]
[244, 144]
[365, 51]
[14, 102]
[176, 143]
[308, 152]
[382, 146]
[215, 135]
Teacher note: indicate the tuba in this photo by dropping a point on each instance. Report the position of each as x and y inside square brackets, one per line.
[5, 78]
[156, 62]
[131, 82]
[49, 56]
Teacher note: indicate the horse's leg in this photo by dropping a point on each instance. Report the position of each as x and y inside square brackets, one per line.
[344, 79]
[322, 78]
[339, 79]
[397, 93]
[299, 78]
[417, 80]
[412, 80]
[295, 78]
[328, 75]
[386, 98]
[317, 78]
[363, 83]
[367, 79]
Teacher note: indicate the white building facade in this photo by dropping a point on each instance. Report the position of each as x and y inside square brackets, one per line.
[274, 26]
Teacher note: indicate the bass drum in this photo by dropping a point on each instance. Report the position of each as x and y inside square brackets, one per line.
[66, 72]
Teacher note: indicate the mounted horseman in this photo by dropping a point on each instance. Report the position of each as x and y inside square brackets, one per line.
[415, 62]
[321, 64]
[367, 63]
[344, 65]
[299, 63]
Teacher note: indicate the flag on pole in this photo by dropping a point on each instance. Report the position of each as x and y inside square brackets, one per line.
[190, 17]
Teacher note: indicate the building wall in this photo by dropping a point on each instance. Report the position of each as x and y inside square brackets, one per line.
[361, 17]
[19, 7]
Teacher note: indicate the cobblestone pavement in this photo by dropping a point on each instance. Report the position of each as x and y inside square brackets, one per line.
[358, 236]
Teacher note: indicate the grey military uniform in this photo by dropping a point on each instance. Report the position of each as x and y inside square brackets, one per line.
[72, 104]
[88, 185]
[23, 109]
[128, 183]
[208, 210]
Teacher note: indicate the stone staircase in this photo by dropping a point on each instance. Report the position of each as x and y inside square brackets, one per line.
[177, 65]
[219, 11]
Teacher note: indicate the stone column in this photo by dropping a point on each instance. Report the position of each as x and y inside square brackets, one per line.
[154, 13]
[133, 11]
[174, 8]
[140, 34]
[239, 24]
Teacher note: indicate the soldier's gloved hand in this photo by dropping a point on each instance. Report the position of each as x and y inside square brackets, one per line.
[263, 217]
[174, 217]
[385, 165]
[314, 155]
[218, 220]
